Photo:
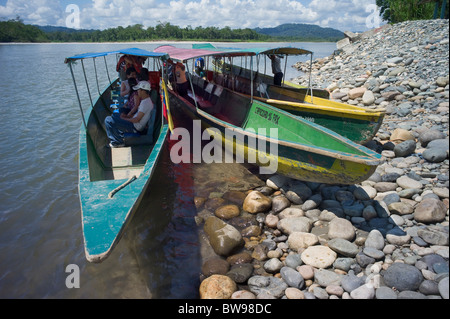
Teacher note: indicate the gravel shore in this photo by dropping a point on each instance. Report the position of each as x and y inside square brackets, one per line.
[386, 238]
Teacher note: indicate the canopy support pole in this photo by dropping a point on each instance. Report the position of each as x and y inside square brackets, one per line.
[96, 77]
[285, 66]
[310, 76]
[192, 86]
[107, 71]
[87, 84]
[78, 95]
[251, 77]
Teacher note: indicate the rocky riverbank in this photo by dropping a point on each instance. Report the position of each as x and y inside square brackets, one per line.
[386, 238]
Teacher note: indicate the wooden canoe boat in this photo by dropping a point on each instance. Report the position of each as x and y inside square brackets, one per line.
[112, 181]
[356, 123]
[306, 151]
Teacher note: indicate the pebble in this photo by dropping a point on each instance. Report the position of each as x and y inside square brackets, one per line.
[256, 202]
[319, 256]
[343, 247]
[350, 282]
[306, 271]
[443, 288]
[341, 228]
[243, 294]
[385, 238]
[403, 277]
[294, 293]
[364, 292]
[385, 293]
[217, 287]
[292, 277]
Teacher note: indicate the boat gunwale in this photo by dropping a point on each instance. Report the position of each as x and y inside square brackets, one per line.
[360, 112]
[369, 159]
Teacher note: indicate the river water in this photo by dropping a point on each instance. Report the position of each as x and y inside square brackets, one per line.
[40, 224]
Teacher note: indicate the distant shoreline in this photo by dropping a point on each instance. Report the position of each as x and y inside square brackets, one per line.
[163, 42]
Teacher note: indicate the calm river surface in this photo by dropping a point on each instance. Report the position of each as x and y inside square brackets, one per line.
[40, 223]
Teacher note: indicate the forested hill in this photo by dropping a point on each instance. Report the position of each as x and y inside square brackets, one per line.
[302, 32]
[17, 31]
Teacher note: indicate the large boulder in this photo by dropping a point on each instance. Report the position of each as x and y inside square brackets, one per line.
[217, 287]
[256, 202]
[430, 210]
[223, 238]
[403, 277]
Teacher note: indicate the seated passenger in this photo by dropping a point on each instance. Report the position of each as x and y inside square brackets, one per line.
[133, 98]
[136, 122]
[125, 88]
[143, 75]
[182, 82]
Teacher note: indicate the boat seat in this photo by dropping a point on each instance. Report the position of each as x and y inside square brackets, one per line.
[147, 137]
[219, 79]
[210, 88]
[201, 101]
[216, 95]
[195, 81]
[199, 89]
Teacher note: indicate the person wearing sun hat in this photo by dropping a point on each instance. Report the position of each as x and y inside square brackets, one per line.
[133, 122]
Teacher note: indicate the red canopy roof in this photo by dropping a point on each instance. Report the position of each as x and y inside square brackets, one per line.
[182, 55]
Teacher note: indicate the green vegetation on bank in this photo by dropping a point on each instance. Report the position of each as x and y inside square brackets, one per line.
[16, 31]
[395, 11]
[162, 31]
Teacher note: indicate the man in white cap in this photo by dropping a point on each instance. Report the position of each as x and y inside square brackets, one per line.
[135, 122]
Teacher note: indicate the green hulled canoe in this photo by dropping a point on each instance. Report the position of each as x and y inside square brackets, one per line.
[305, 150]
[356, 123]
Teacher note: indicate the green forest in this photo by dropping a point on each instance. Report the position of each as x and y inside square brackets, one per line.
[395, 11]
[17, 31]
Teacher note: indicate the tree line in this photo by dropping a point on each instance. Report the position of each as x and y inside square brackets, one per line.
[16, 31]
[395, 11]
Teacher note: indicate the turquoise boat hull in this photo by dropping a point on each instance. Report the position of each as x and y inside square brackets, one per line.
[103, 170]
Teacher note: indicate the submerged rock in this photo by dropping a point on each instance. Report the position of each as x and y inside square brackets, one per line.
[224, 238]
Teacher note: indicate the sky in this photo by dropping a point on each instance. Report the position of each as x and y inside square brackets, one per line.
[344, 15]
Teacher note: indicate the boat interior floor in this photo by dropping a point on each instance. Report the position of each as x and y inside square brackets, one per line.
[118, 163]
[127, 161]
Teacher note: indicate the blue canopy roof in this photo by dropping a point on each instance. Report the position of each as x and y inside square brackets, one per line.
[130, 51]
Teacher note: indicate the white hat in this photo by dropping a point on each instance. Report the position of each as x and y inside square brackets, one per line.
[144, 85]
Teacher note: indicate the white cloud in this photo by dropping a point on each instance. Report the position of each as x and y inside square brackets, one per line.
[102, 14]
[41, 12]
